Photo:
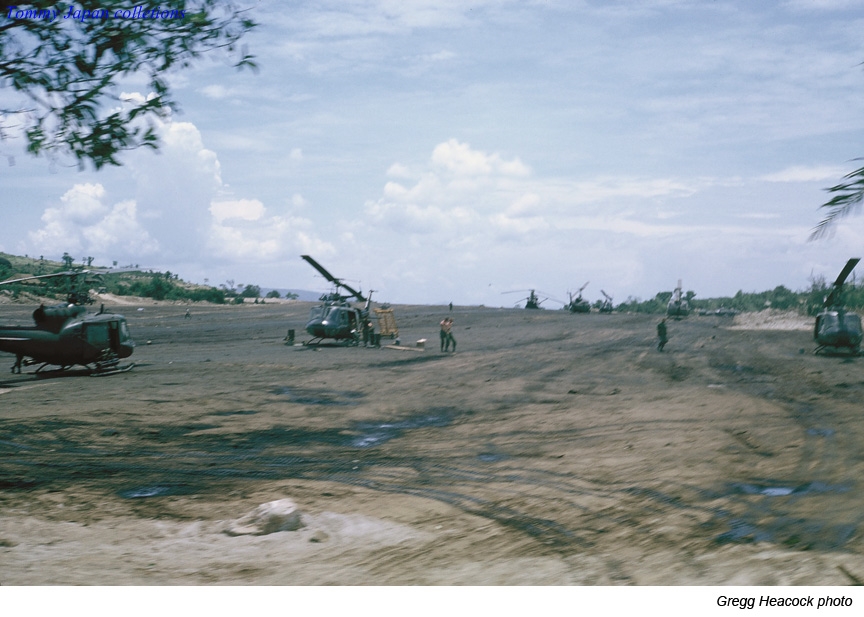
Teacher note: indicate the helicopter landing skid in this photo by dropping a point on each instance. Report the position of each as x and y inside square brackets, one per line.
[112, 371]
[319, 342]
[97, 369]
[830, 350]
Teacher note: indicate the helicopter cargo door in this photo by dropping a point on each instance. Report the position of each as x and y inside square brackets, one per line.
[97, 335]
[114, 335]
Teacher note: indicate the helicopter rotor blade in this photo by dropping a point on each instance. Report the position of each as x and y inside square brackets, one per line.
[834, 295]
[850, 265]
[354, 293]
[72, 274]
[47, 276]
[321, 269]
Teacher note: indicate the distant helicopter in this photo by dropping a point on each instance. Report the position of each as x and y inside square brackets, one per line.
[65, 335]
[532, 301]
[678, 307]
[579, 304]
[835, 329]
[606, 306]
[335, 318]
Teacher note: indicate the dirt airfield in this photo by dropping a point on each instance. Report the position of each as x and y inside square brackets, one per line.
[549, 449]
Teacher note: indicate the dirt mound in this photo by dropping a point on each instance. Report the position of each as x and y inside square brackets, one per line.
[771, 319]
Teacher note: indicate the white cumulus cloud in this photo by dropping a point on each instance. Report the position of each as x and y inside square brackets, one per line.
[83, 223]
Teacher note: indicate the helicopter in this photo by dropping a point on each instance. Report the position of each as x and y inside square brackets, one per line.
[678, 307]
[65, 335]
[836, 329]
[335, 318]
[578, 305]
[606, 306]
[532, 301]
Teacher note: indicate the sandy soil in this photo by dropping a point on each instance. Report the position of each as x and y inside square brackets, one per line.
[550, 449]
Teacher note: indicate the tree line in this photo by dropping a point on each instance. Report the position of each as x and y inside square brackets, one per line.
[807, 302]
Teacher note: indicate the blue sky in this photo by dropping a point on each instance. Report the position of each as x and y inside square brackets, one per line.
[453, 150]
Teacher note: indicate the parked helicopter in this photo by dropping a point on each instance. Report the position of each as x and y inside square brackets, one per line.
[678, 307]
[835, 329]
[579, 304]
[65, 335]
[532, 301]
[606, 306]
[336, 318]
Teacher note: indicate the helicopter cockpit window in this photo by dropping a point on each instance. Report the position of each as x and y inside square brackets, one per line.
[829, 320]
[124, 331]
[316, 313]
[96, 334]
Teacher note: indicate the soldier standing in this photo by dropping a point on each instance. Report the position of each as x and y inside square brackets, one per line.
[450, 337]
[661, 335]
[444, 333]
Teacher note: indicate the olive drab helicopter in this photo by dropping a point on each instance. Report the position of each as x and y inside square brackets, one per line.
[532, 301]
[578, 304]
[606, 306]
[335, 318]
[65, 335]
[678, 307]
[836, 330]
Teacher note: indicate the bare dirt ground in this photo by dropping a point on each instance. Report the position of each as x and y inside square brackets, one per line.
[550, 449]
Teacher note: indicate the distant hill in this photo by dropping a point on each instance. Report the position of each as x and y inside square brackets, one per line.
[127, 281]
[121, 281]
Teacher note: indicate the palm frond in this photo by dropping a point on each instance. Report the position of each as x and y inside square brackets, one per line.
[848, 196]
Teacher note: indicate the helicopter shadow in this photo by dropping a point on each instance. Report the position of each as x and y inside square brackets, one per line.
[21, 379]
[325, 345]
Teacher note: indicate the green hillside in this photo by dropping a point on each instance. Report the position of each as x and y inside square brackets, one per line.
[126, 281]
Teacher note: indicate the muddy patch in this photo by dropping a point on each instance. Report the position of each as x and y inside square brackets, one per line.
[316, 396]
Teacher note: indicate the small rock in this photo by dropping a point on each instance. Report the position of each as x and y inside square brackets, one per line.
[319, 537]
[270, 517]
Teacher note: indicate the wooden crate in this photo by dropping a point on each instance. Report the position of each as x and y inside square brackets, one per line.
[386, 322]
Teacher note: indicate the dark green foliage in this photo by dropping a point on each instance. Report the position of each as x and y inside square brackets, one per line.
[158, 287]
[809, 301]
[655, 305]
[274, 293]
[251, 291]
[68, 71]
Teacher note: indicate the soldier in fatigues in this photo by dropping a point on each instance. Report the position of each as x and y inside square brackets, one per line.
[447, 337]
[662, 339]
